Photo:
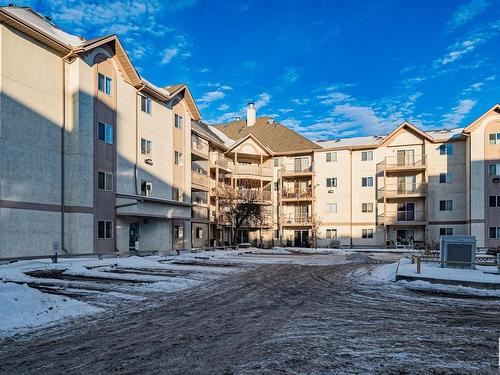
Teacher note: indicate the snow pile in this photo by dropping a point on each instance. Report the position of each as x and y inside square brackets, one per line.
[458, 290]
[24, 307]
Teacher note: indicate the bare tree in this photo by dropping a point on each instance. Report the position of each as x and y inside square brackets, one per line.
[315, 225]
[239, 207]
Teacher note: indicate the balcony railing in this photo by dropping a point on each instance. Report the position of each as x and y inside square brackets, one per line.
[405, 161]
[221, 161]
[403, 190]
[199, 212]
[297, 193]
[198, 145]
[291, 168]
[403, 217]
[253, 170]
[199, 179]
[296, 219]
[261, 195]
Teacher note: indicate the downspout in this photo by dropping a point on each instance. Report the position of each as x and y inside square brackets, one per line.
[136, 177]
[63, 131]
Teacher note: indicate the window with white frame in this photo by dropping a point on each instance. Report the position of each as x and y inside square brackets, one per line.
[494, 139]
[446, 205]
[199, 232]
[105, 229]
[278, 162]
[105, 181]
[494, 169]
[367, 155]
[331, 207]
[177, 194]
[104, 84]
[494, 200]
[494, 232]
[367, 181]
[179, 121]
[331, 156]
[446, 149]
[146, 104]
[146, 146]
[105, 132]
[446, 178]
[179, 158]
[146, 188]
[446, 231]
[366, 207]
[331, 182]
[331, 233]
[367, 233]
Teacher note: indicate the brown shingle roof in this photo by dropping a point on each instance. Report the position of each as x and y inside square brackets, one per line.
[275, 136]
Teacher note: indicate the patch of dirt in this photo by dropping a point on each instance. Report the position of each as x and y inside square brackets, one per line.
[360, 258]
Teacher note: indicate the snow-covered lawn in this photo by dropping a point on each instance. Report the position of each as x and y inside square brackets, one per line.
[433, 272]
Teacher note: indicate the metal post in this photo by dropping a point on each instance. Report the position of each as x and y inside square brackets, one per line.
[419, 261]
[498, 262]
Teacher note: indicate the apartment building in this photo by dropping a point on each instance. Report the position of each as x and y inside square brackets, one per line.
[94, 158]
[405, 187]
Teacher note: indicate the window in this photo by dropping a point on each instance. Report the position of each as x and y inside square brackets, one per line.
[105, 181]
[367, 181]
[179, 121]
[178, 231]
[331, 182]
[494, 200]
[494, 232]
[366, 155]
[104, 229]
[495, 139]
[331, 156]
[146, 146]
[367, 233]
[146, 188]
[446, 231]
[446, 149]
[331, 233]
[104, 84]
[105, 132]
[446, 205]
[278, 162]
[177, 195]
[331, 207]
[367, 207]
[199, 232]
[146, 104]
[179, 158]
[494, 169]
[446, 178]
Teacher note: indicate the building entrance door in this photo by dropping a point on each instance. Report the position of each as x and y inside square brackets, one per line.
[301, 238]
[133, 236]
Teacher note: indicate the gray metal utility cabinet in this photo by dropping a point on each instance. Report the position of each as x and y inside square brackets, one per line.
[458, 251]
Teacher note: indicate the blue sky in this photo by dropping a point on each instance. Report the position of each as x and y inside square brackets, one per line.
[327, 69]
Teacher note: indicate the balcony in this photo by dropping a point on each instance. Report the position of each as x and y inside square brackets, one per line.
[296, 169]
[218, 160]
[403, 218]
[199, 147]
[199, 181]
[253, 170]
[413, 190]
[199, 212]
[297, 194]
[405, 163]
[294, 219]
[261, 195]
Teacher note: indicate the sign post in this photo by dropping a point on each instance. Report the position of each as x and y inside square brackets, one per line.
[55, 250]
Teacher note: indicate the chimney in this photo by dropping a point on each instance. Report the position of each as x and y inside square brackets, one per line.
[251, 114]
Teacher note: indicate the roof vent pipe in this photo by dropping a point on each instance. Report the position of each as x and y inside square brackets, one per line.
[251, 114]
[238, 118]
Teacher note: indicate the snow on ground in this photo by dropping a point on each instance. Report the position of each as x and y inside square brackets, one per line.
[25, 307]
[421, 285]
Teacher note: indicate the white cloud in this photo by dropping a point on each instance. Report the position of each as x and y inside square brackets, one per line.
[300, 101]
[333, 97]
[168, 55]
[467, 12]
[458, 113]
[223, 107]
[263, 100]
[210, 97]
[285, 110]
[290, 76]
[217, 85]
